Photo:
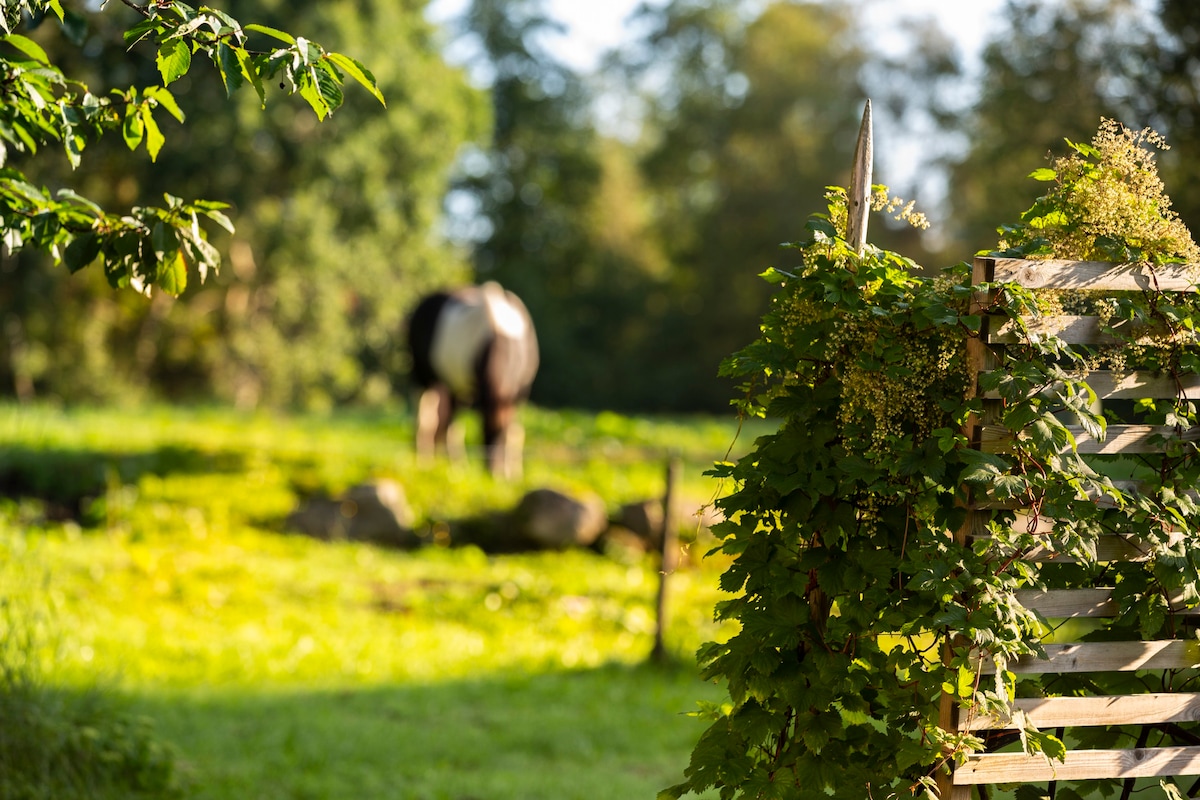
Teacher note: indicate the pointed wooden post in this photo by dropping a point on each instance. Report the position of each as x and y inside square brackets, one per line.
[859, 204]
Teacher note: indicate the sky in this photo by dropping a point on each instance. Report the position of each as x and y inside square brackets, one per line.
[595, 25]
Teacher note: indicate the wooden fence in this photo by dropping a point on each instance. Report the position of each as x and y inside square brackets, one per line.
[1154, 711]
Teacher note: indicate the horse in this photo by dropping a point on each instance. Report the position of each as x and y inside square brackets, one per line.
[474, 346]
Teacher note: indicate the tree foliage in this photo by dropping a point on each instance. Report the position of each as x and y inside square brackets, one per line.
[750, 116]
[338, 223]
[149, 246]
[1053, 70]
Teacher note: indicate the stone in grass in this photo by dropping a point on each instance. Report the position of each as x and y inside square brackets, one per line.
[644, 520]
[557, 521]
[376, 512]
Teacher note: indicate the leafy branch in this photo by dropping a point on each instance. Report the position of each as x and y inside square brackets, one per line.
[148, 246]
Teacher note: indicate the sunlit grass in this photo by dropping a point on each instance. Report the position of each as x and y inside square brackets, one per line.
[182, 591]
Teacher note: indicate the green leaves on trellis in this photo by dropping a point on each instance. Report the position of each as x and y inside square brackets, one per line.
[847, 583]
[148, 246]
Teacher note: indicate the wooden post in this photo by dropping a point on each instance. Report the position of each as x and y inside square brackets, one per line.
[859, 197]
[670, 556]
[980, 359]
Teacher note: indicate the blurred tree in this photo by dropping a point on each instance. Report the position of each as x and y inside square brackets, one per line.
[542, 169]
[338, 223]
[1054, 71]
[1166, 96]
[750, 116]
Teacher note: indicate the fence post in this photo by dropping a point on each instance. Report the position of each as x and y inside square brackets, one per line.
[858, 200]
[670, 556]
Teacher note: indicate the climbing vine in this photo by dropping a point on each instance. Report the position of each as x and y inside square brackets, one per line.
[858, 610]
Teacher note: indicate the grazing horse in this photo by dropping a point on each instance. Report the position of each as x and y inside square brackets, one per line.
[473, 346]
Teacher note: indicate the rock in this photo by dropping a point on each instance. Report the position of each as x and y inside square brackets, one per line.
[371, 512]
[644, 519]
[554, 520]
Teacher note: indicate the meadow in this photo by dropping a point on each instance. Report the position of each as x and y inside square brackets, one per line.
[145, 571]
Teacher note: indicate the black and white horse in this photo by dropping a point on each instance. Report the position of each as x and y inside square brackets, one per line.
[474, 346]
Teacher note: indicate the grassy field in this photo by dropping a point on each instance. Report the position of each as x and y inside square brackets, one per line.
[149, 558]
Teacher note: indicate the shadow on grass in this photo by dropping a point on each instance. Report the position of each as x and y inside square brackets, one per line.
[614, 732]
[69, 481]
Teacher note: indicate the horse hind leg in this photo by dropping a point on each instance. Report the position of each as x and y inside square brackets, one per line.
[435, 409]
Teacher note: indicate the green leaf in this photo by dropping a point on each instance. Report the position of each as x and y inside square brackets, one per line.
[154, 137]
[982, 467]
[1043, 174]
[360, 73]
[310, 90]
[330, 85]
[230, 67]
[81, 251]
[966, 682]
[274, 33]
[250, 72]
[140, 31]
[174, 60]
[172, 273]
[162, 95]
[28, 47]
[133, 129]
[219, 218]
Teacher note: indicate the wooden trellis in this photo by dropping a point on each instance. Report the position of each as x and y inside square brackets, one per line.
[1061, 714]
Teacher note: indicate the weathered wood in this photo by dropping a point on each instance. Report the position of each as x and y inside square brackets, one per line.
[1133, 385]
[670, 555]
[1088, 603]
[859, 198]
[1072, 329]
[1106, 657]
[1119, 439]
[1064, 603]
[1065, 712]
[1092, 275]
[1109, 547]
[1080, 765]
[1072, 603]
[980, 358]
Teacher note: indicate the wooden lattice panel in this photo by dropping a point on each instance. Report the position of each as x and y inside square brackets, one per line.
[1059, 713]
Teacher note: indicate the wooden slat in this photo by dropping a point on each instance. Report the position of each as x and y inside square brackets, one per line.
[1094, 602]
[1101, 500]
[1070, 328]
[1074, 603]
[1134, 385]
[1065, 712]
[1080, 765]
[1109, 547]
[1064, 603]
[1107, 657]
[1119, 439]
[1093, 275]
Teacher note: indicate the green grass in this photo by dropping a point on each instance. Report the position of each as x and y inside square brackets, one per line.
[281, 666]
